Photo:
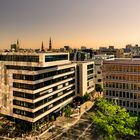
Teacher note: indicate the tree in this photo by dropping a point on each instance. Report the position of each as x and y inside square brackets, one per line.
[68, 111]
[52, 118]
[112, 121]
[98, 88]
[86, 97]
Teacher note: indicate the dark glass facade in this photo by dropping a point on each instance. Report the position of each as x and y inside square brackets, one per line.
[49, 58]
[90, 66]
[40, 94]
[78, 80]
[43, 110]
[41, 102]
[42, 84]
[41, 76]
[21, 58]
[29, 68]
[90, 71]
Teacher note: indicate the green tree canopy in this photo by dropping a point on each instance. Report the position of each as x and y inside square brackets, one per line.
[113, 121]
[86, 97]
[52, 118]
[67, 111]
[98, 88]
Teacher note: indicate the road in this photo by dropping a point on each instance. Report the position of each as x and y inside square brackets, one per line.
[82, 130]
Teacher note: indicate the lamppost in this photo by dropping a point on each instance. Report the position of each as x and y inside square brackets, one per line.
[79, 109]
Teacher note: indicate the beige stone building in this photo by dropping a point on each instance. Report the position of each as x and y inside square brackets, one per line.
[98, 61]
[85, 77]
[35, 85]
[122, 83]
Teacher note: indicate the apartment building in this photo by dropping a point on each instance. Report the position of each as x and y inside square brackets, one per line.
[35, 85]
[98, 61]
[122, 83]
[85, 77]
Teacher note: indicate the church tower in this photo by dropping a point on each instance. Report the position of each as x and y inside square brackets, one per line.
[17, 45]
[42, 47]
[50, 45]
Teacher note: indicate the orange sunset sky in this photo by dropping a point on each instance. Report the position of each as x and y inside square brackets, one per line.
[91, 23]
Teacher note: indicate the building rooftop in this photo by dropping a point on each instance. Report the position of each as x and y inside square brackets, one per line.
[85, 61]
[123, 60]
[30, 53]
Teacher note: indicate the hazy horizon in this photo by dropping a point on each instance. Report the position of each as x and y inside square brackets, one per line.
[91, 23]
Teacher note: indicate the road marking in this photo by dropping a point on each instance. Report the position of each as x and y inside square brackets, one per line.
[84, 120]
[66, 129]
[85, 131]
[63, 131]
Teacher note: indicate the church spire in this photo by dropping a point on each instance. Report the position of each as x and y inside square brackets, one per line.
[17, 42]
[50, 45]
[42, 47]
[17, 45]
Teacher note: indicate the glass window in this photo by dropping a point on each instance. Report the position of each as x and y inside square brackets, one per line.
[99, 72]
[120, 93]
[49, 58]
[106, 92]
[117, 94]
[131, 95]
[124, 94]
[138, 105]
[131, 104]
[90, 66]
[60, 86]
[127, 104]
[123, 103]
[135, 95]
[60, 93]
[50, 106]
[113, 93]
[43, 84]
[127, 93]
[120, 102]
[22, 58]
[135, 104]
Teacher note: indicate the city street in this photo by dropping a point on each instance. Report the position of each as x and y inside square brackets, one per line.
[71, 127]
[82, 130]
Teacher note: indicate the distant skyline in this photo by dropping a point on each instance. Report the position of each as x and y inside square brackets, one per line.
[91, 23]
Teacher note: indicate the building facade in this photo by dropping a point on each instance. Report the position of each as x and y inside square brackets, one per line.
[35, 85]
[98, 61]
[85, 77]
[122, 83]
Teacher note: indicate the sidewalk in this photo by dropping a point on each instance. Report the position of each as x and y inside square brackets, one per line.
[67, 122]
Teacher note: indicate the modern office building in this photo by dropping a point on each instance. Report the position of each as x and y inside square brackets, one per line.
[118, 53]
[79, 56]
[122, 82]
[85, 77]
[107, 50]
[35, 85]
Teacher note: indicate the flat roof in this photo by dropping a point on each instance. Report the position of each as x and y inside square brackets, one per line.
[85, 61]
[123, 61]
[31, 53]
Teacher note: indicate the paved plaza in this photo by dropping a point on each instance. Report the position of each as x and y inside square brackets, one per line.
[76, 128]
[82, 130]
